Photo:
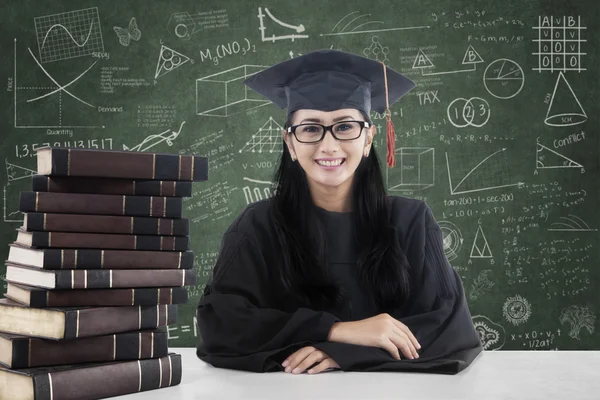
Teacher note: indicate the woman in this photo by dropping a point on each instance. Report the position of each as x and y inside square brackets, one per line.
[331, 273]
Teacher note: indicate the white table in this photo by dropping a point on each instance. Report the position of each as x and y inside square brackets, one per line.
[503, 375]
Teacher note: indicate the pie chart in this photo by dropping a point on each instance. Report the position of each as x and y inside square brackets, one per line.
[503, 78]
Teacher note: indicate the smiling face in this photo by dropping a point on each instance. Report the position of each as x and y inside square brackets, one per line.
[329, 164]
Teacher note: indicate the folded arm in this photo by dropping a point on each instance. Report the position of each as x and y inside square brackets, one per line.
[238, 327]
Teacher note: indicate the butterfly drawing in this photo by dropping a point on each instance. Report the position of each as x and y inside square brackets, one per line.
[125, 35]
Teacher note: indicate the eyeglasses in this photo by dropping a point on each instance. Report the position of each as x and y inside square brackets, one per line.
[313, 133]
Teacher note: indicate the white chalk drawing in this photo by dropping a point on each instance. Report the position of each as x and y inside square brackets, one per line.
[452, 239]
[223, 94]
[491, 334]
[268, 139]
[481, 285]
[171, 329]
[69, 34]
[572, 224]
[377, 51]
[257, 190]
[274, 21]
[15, 172]
[471, 58]
[481, 246]
[150, 141]
[498, 170]
[546, 158]
[516, 310]
[10, 216]
[125, 35]
[344, 24]
[415, 169]
[474, 111]
[579, 318]
[564, 108]
[503, 78]
[559, 46]
[54, 89]
[183, 25]
[168, 60]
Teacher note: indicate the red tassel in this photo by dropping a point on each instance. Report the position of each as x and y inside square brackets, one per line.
[391, 139]
[390, 133]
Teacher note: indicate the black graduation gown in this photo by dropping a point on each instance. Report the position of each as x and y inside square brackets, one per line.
[241, 325]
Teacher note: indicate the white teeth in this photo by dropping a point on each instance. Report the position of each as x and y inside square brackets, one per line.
[330, 163]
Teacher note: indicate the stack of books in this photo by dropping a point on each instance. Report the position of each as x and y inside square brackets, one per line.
[96, 274]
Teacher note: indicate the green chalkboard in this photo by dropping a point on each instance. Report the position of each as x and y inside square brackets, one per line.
[500, 136]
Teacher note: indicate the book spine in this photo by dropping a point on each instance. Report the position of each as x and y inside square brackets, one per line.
[33, 352]
[106, 224]
[41, 298]
[87, 322]
[127, 278]
[134, 187]
[109, 241]
[124, 378]
[104, 204]
[128, 165]
[116, 259]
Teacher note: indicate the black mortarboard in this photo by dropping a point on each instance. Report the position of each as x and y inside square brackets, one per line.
[328, 80]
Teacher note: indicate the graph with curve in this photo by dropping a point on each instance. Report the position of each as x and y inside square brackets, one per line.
[69, 34]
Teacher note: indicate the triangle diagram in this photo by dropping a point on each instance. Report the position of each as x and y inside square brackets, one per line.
[548, 158]
[267, 139]
[481, 248]
[15, 172]
[168, 60]
[422, 61]
[565, 108]
[471, 56]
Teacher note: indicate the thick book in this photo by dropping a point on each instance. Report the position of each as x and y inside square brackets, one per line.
[98, 278]
[60, 161]
[134, 187]
[101, 204]
[99, 259]
[42, 298]
[90, 381]
[87, 223]
[78, 240]
[78, 322]
[17, 351]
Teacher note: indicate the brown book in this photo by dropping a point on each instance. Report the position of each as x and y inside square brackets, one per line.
[78, 322]
[90, 381]
[133, 187]
[98, 278]
[101, 204]
[99, 259]
[42, 298]
[78, 240]
[18, 351]
[86, 223]
[61, 161]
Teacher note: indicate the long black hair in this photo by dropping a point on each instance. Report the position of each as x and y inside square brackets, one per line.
[382, 265]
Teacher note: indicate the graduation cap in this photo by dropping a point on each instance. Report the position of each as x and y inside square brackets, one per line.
[328, 80]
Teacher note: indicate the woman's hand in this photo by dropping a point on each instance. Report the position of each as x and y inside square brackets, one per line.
[301, 359]
[382, 331]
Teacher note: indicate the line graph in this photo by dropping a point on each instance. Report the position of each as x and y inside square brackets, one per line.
[69, 34]
[35, 95]
[353, 31]
[490, 173]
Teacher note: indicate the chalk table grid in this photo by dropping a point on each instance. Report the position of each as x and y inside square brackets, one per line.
[523, 375]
